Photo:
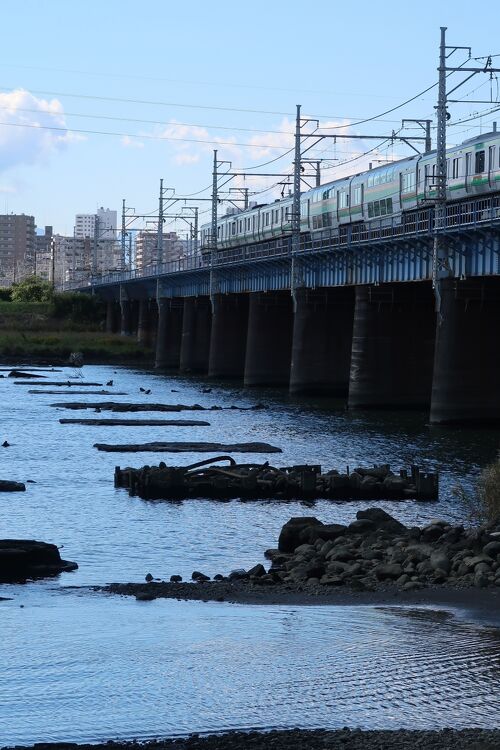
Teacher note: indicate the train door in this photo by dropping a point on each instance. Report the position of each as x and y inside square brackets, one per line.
[491, 165]
[468, 170]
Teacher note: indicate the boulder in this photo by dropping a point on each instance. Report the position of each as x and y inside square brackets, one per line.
[381, 520]
[257, 571]
[361, 526]
[492, 549]
[21, 559]
[197, 576]
[440, 561]
[388, 571]
[290, 535]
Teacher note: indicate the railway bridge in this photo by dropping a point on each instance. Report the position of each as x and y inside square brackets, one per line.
[352, 313]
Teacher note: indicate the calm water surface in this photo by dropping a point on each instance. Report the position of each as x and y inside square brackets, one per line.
[80, 666]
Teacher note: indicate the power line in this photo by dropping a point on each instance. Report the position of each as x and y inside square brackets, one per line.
[136, 135]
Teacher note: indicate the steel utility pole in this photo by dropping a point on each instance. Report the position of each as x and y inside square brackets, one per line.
[124, 235]
[95, 244]
[159, 241]
[438, 253]
[425, 125]
[295, 206]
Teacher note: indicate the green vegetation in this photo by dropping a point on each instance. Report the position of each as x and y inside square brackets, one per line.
[95, 346]
[36, 322]
[488, 491]
[32, 289]
[483, 501]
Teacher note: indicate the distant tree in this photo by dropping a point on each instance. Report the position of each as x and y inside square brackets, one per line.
[32, 289]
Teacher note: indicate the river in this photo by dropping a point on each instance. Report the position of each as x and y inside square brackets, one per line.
[82, 666]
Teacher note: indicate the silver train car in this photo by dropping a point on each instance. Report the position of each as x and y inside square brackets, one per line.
[393, 190]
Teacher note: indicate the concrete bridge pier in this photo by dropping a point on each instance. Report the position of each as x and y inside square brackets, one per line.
[229, 336]
[322, 337]
[392, 346]
[196, 326]
[145, 322]
[169, 333]
[269, 339]
[112, 316]
[125, 317]
[466, 378]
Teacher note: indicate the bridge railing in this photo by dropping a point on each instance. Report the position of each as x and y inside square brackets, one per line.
[470, 213]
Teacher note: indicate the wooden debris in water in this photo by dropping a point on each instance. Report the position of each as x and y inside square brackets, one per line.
[116, 406]
[138, 422]
[188, 448]
[80, 393]
[65, 383]
[252, 481]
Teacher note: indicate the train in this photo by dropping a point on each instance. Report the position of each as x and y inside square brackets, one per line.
[385, 194]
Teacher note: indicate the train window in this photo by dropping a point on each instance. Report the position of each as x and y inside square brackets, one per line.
[467, 163]
[356, 195]
[376, 208]
[408, 181]
[233, 228]
[448, 168]
[388, 204]
[455, 168]
[240, 229]
[479, 165]
[370, 210]
[267, 220]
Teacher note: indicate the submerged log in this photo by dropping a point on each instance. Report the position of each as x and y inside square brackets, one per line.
[67, 383]
[188, 448]
[116, 406]
[138, 422]
[8, 486]
[76, 392]
[24, 374]
[260, 481]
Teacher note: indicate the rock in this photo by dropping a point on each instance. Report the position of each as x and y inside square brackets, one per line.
[412, 586]
[330, 580]
[361, 526]
[257, 571]
[403, 579]
[432, 532]
[197, 576]
[306, 530]
[148, 577]
[218, 577]
[369, 484]
[238, 575]
[355, 480]
[5, 444]
[440, 560]
[175, 579]
[492, 549]
[480, 580]
[340, 554]
[289, 537]
[381, 520]
[8, 486]
[144, 596]
[21, 559]
[388, 571]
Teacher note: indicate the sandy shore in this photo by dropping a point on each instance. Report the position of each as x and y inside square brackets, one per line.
[481, 605]
[296, 739]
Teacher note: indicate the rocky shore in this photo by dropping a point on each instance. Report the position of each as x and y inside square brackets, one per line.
[374, 559]
[298, 739]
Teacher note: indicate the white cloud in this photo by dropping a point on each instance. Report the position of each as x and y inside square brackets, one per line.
[23, 137]
[129, 142]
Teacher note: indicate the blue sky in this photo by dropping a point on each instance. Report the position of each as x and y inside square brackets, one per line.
[69, 65]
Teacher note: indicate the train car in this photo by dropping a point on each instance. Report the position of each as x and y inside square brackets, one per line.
[387, 194]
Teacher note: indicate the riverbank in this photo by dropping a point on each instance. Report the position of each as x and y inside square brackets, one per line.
[54, 347]
[481, 605]
[298, 739]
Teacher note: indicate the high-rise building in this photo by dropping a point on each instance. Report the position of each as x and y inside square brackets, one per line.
[44, 254]
[17, 248]
[104, 219]
[146, 248]
[76, 259]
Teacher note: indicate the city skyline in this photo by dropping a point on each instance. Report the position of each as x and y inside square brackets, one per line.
[80, 131]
